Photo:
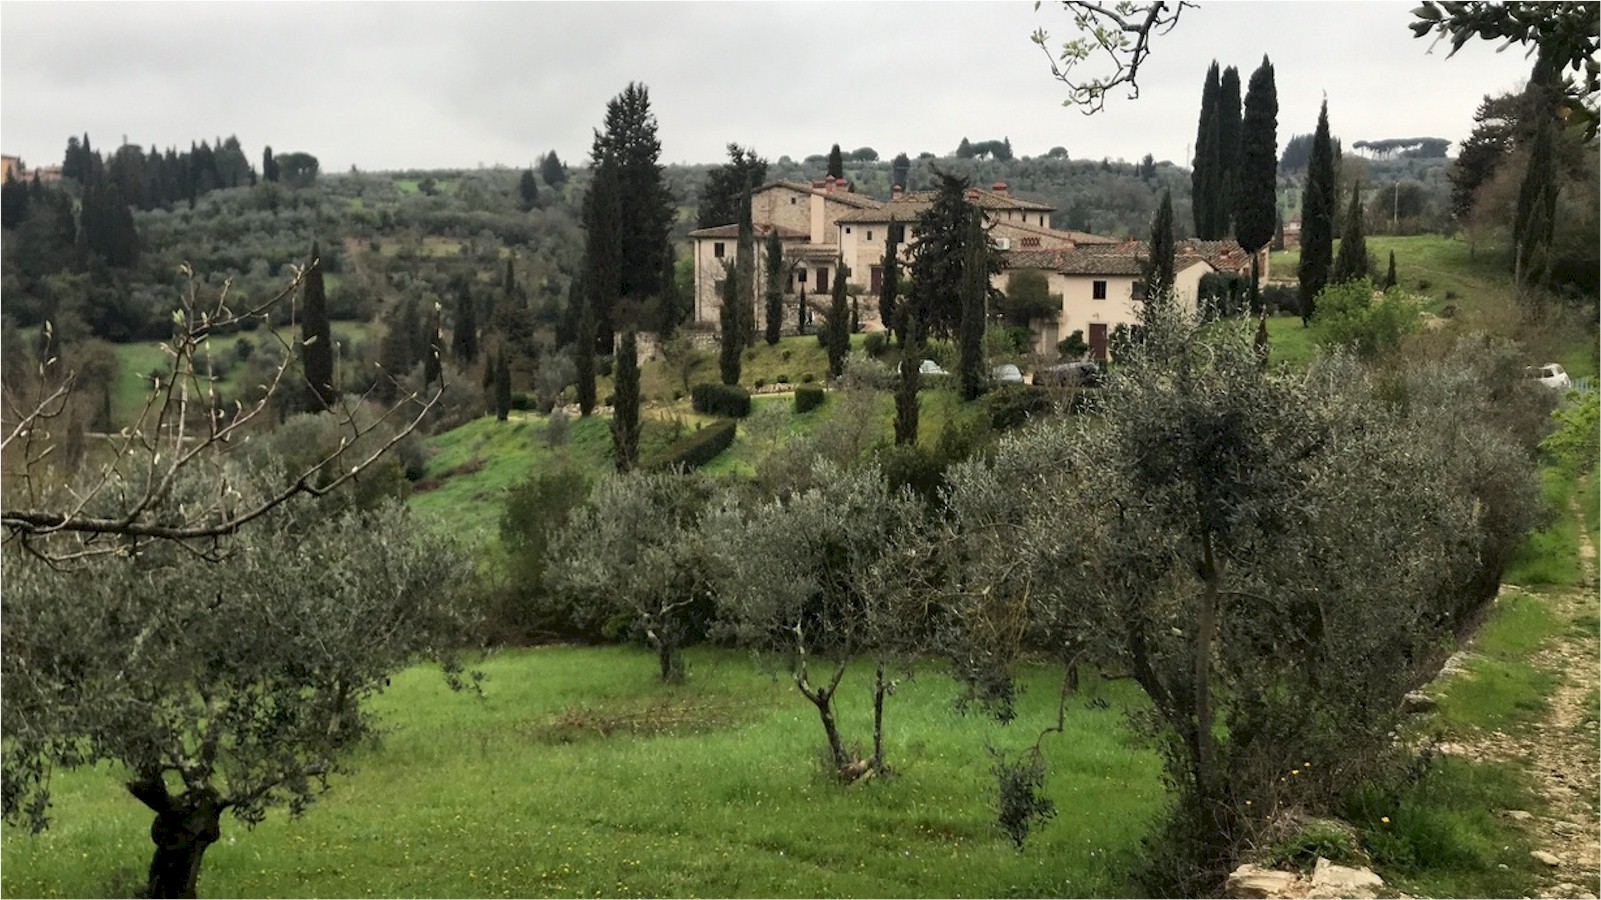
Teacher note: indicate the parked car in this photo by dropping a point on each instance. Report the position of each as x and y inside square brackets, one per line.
[1073, 374]
[930, 367]
[1551, 375]
[1007, 374]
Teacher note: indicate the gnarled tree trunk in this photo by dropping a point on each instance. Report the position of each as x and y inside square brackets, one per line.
[184, 827]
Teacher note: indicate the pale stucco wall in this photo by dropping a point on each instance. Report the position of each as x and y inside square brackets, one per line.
[1080, 309]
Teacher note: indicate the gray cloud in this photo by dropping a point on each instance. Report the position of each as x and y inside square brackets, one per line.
[412, 85]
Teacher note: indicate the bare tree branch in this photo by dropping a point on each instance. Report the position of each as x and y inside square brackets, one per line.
[1122, 31]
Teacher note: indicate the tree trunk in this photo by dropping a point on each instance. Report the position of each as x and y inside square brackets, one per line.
[824, 701]
[880, 688]
[1205, 635]
[184, 827]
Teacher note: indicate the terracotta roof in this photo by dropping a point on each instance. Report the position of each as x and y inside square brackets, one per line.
[1078, 237]
[907, 206]
[732, 231]
[1224, 255]
[861, 201]
[1124, 259]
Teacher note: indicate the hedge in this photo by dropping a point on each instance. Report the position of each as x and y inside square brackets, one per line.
[720, 400]
[808, 398]
[697, 449]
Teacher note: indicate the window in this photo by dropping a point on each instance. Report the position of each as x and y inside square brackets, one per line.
[847, 229]
[717, 249]
[822, 280]
[1100, 290]
[792, 201]
[800, 276]
[1042, 220]
[869, 235]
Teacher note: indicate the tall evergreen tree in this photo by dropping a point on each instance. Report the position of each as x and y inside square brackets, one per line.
[730, 328]
[777, 277]
[1228, 148]
[502, 388]
[625, 409]
[889, 288]
[1256, 200]
[800, 312]
[836, 163]
[1352, 262]
[1317, 217]
[14, 199]
[1389, 275]
[839, 330]
[464, 337]
[316, 339]
[906, 408]
[628, 212]
[941, 256]
[433, 348]
[975, 290]
[900, 171]
[729, 185]
[745, 272]
[398, 350]
[552, 170]
[584, 358]
[1205, 172]
[269, 166]
[528, 189]
[1534, 221]
[1159, 277]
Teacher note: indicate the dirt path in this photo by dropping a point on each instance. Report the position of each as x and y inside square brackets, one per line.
[1562, 750]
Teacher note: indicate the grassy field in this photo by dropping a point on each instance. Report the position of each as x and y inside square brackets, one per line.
[711, 788]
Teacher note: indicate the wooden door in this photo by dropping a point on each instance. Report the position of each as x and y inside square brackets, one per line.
[1098, 342]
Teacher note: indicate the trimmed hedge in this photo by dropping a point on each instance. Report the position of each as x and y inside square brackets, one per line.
[808, 398]
[1010, 405]
[720, 400]
[697, 449]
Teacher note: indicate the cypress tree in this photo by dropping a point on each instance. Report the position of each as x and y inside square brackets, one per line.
[839, 333]
[316, 339]
[1389, 275]
[269, 166]
[1534, 222]
[1228, 149]
[625, 411]
[800, 312]
[1258, 171]
[836, 163]
[1204, 171]
[889, 289]
[900, 171]
[775, 287]
[552, 170]
[432, 350]
[464, 339]
[906, 408]
[528, 189]
[1317, 217]
[502, 388]
[1352, 262]
[728, 324]
[745, 272]
[584, 359]
[975, 291]
[1159, 277]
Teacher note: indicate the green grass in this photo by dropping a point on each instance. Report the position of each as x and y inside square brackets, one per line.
[1502, 688]
[1443, 837]
[518, 794]
[1550, 556]
[1289, 342]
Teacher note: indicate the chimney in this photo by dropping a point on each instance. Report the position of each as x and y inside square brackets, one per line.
[999, 187]
[972, 193]
[895, 192]
[820, 184]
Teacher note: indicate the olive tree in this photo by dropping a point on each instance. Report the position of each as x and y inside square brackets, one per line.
[237, 687]
[1266, 550]
[635, 560]
[820, 578]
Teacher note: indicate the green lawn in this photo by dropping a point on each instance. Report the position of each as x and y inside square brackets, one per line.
[711, 788]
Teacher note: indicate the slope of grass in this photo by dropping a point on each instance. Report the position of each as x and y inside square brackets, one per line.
[1550, 556]
[711, 788]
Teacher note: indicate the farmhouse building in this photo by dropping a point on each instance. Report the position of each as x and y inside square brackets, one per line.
[823, 223]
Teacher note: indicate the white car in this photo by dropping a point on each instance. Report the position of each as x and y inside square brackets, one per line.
[1551, 375]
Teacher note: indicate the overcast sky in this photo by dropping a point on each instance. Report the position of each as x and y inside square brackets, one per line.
[389, 86]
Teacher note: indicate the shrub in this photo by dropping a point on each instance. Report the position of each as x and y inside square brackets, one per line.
[784, 355]
[522, 401]
[558, 429]
[696, 450]
[781, 379]
[808, 398]
[1073, 346]
[721, 400]
[875, 343]
[807, 378]
[1010, 405]
[1347, 315]
[760, 383]
[1283, 300]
